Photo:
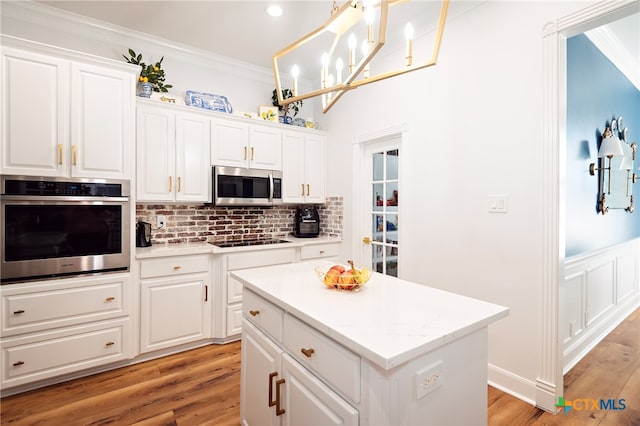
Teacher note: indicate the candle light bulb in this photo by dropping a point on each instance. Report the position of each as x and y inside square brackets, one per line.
[339, 66]
[369, 16]
[352, 43]
[295, 72]
[408, 33]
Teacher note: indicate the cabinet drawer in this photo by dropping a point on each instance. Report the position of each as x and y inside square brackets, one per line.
[176, 265]
[234, 319]
[253, 259]
[319, 250]
[61, 304]
[263, 314]
[234, 290]
[338, 366]
[41, 356]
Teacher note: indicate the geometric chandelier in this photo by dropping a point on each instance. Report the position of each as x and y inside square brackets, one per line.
[336, 43]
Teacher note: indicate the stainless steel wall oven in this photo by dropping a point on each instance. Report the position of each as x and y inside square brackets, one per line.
[53, 227]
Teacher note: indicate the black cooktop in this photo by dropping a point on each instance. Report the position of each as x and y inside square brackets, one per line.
[244, 243]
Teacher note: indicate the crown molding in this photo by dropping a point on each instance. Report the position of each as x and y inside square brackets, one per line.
[93, 30]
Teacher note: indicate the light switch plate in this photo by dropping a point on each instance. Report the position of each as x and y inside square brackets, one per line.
[498, 204]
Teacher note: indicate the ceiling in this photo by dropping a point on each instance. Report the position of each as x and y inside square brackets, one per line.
[242, 30]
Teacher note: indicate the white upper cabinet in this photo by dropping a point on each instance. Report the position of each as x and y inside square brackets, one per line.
[304, 164]
[245, 145]
[65, 117]
[173, 155]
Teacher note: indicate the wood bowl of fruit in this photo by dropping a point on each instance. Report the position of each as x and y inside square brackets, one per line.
[340, 277]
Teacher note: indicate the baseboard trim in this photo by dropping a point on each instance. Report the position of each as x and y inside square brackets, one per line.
[512, 384]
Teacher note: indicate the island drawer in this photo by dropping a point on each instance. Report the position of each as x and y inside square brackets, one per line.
[337, 365]
[174, 265]
[314, 251]
[264, 314]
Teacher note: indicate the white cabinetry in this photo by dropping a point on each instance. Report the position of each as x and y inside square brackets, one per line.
[175, 303]
[304, 164]
[66, 117]
[51, 328]
[228, 324]
[275, 388]
[238, 144]
[173, 152]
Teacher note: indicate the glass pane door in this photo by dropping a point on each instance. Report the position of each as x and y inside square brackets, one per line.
[384, 211]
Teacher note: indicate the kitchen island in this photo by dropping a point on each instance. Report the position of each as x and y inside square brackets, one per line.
[394, 352]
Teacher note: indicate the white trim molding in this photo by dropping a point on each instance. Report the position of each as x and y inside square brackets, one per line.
[549, 383]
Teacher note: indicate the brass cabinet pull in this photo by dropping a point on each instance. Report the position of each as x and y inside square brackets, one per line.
[59, 153]
[206, 293]
[179, 184]
[245, 153]
[321, 251]
[251, 153]
[254, 313]
[271, 376]
[75, 155]
[109, 343]
[308, 190]
[177, 267]
[170, 183]
[307, 352]
[110, 299]
[18, 312]
[18, 363]
[279, 411]
[302, 187]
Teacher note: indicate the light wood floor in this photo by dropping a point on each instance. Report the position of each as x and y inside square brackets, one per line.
[202, 387]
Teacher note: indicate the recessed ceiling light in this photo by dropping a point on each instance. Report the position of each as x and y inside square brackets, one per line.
[274, 10]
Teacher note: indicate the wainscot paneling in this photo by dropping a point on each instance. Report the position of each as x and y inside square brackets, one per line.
[599, 290]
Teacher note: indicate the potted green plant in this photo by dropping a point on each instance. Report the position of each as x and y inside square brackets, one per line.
[152, 76]
[284, 109]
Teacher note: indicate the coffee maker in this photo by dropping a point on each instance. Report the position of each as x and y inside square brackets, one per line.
[307, 222]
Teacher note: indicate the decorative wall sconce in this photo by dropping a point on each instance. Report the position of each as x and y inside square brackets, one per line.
[617, 158]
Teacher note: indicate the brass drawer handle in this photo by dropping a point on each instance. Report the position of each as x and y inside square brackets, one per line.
[18, 312]
[17, 364]
[307, 352]
[177, 267]
[254, 313]
[110, 343]
[110, 299]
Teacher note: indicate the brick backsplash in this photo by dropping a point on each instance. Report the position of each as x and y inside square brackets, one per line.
[193, 223]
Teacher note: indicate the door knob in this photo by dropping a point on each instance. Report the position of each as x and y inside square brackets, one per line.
[366, 240]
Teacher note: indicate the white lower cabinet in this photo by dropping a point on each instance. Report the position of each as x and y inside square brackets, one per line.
[228, 323]
[55, 327]
[175, 301]
[278, 390]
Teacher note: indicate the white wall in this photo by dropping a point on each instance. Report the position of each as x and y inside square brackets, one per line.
[475, 129]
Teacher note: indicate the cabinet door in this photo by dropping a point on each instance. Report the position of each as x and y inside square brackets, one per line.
[102, 115]
[229, 143]
[260, 358]
[309, 401]
[293, 174]
[265, 148]
[193, 171]
[315, 162]
[174, 311]
[155, 154]
[35, 114]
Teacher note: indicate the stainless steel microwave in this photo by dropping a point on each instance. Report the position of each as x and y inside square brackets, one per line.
[237, 186]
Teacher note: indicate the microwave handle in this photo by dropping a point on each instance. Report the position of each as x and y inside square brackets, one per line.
[270, 187]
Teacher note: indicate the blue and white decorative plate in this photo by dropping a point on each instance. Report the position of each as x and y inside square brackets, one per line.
[208, 101]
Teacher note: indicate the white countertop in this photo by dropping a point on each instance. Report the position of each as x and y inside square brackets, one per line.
[388, 321]
[204, 247]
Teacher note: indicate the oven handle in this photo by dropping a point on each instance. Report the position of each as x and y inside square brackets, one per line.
[61, 198]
